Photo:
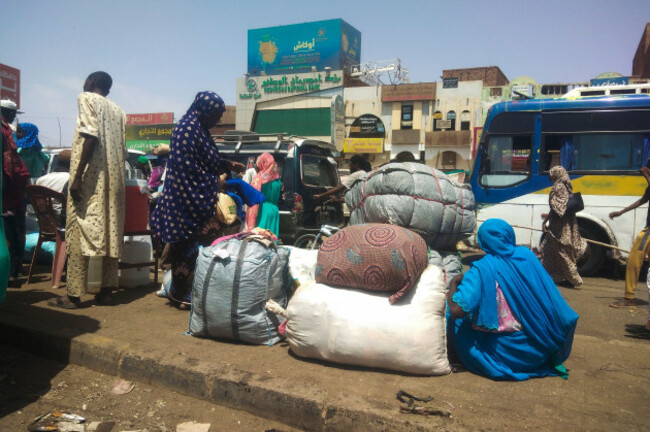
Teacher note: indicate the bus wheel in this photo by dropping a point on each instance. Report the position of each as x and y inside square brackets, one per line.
[593, 258]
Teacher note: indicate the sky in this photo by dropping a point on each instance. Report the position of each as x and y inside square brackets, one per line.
[161, 53]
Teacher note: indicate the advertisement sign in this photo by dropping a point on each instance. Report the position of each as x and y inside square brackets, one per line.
[303, 47]
[150, 118]
[408, 92]
[609, 81]
[10, 79]
[146, 137]
[363, 145]
[367, 126]
[518, 90]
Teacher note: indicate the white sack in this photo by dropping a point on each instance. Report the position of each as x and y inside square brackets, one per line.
[302, 264]
[362, 328]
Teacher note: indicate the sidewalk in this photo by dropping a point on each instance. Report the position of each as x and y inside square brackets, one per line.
[142, 339]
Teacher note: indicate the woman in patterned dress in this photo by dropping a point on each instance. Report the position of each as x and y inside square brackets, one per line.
[562, 245]
[508, 321]
[185, 216]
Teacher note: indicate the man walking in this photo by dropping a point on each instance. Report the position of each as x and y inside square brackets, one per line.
[95, 214]
[14, 180]
[639, 250]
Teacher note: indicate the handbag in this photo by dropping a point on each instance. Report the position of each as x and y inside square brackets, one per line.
[575, 203]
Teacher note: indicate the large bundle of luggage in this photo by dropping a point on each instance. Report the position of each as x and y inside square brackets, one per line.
[417, 197]
[232, 282]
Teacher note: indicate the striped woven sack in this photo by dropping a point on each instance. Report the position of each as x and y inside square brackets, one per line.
[373, 257]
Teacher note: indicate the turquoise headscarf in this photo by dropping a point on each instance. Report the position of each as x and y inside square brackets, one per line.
[29, 149]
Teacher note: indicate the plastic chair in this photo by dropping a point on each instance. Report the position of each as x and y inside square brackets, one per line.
[42, 199]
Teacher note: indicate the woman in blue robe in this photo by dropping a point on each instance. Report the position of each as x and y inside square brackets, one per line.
[508, 320]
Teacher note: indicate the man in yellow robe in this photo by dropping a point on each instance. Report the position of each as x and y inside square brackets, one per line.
[95, 212]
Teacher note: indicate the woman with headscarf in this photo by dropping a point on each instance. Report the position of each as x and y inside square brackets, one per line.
[267, 180]
[185, 216]
[508, 319]
[30, 149]
[562, 245]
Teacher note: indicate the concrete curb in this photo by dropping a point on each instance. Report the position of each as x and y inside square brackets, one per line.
[234, 389]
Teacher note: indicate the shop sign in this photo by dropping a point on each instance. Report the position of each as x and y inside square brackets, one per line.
[303, 47]
[149, 132]
[363, 145]
[367, 126]
[150, 118]
[526, 90]
[408, 92]
[10, 83]
[449, 83]
[443, 124]
[609, 81]
[305, 83]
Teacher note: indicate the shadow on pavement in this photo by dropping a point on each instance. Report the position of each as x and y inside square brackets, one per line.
[636, 331]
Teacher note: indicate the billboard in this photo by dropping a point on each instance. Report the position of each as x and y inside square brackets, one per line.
[146, 137]
[10, 79]
[303, 47]
[150, 118]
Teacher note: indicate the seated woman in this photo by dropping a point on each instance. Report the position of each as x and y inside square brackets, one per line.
[508, 319]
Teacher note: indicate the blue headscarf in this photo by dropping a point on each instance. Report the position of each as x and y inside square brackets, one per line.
[193, 169]
[31, 136]
[529, 290]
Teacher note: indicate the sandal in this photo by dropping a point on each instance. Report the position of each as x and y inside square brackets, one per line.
[624, 303]
[63, 302]
[104, 299]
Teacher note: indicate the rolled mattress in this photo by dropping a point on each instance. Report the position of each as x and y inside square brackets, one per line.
[416, 197]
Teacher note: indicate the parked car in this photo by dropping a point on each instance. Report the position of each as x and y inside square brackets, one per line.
[306, 167]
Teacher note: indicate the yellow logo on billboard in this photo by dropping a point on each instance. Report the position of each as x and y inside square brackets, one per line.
[363, 145]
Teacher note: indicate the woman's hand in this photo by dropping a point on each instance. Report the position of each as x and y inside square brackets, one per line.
[237, 167]
[75, 189]
[222, 181]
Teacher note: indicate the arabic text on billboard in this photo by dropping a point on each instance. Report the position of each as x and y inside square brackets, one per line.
[146, 137]
[150, 118]
[363, 145]
[301, 47]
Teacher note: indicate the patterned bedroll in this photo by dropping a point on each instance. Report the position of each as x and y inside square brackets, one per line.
[373, 257]
[417, 197]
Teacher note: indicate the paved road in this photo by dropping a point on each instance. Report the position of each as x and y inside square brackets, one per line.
[31, 386]
[142, 339]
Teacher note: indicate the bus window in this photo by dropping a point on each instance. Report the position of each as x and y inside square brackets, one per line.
[595, 152]
[507, 160]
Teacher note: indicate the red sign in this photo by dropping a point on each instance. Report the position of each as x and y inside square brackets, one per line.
[10, 78]
[151, 118]
[477, 139]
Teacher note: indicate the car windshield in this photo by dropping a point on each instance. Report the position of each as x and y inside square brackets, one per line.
[319, 171]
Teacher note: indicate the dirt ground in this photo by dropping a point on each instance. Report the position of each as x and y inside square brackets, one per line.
[31, 386]
[608, 388]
